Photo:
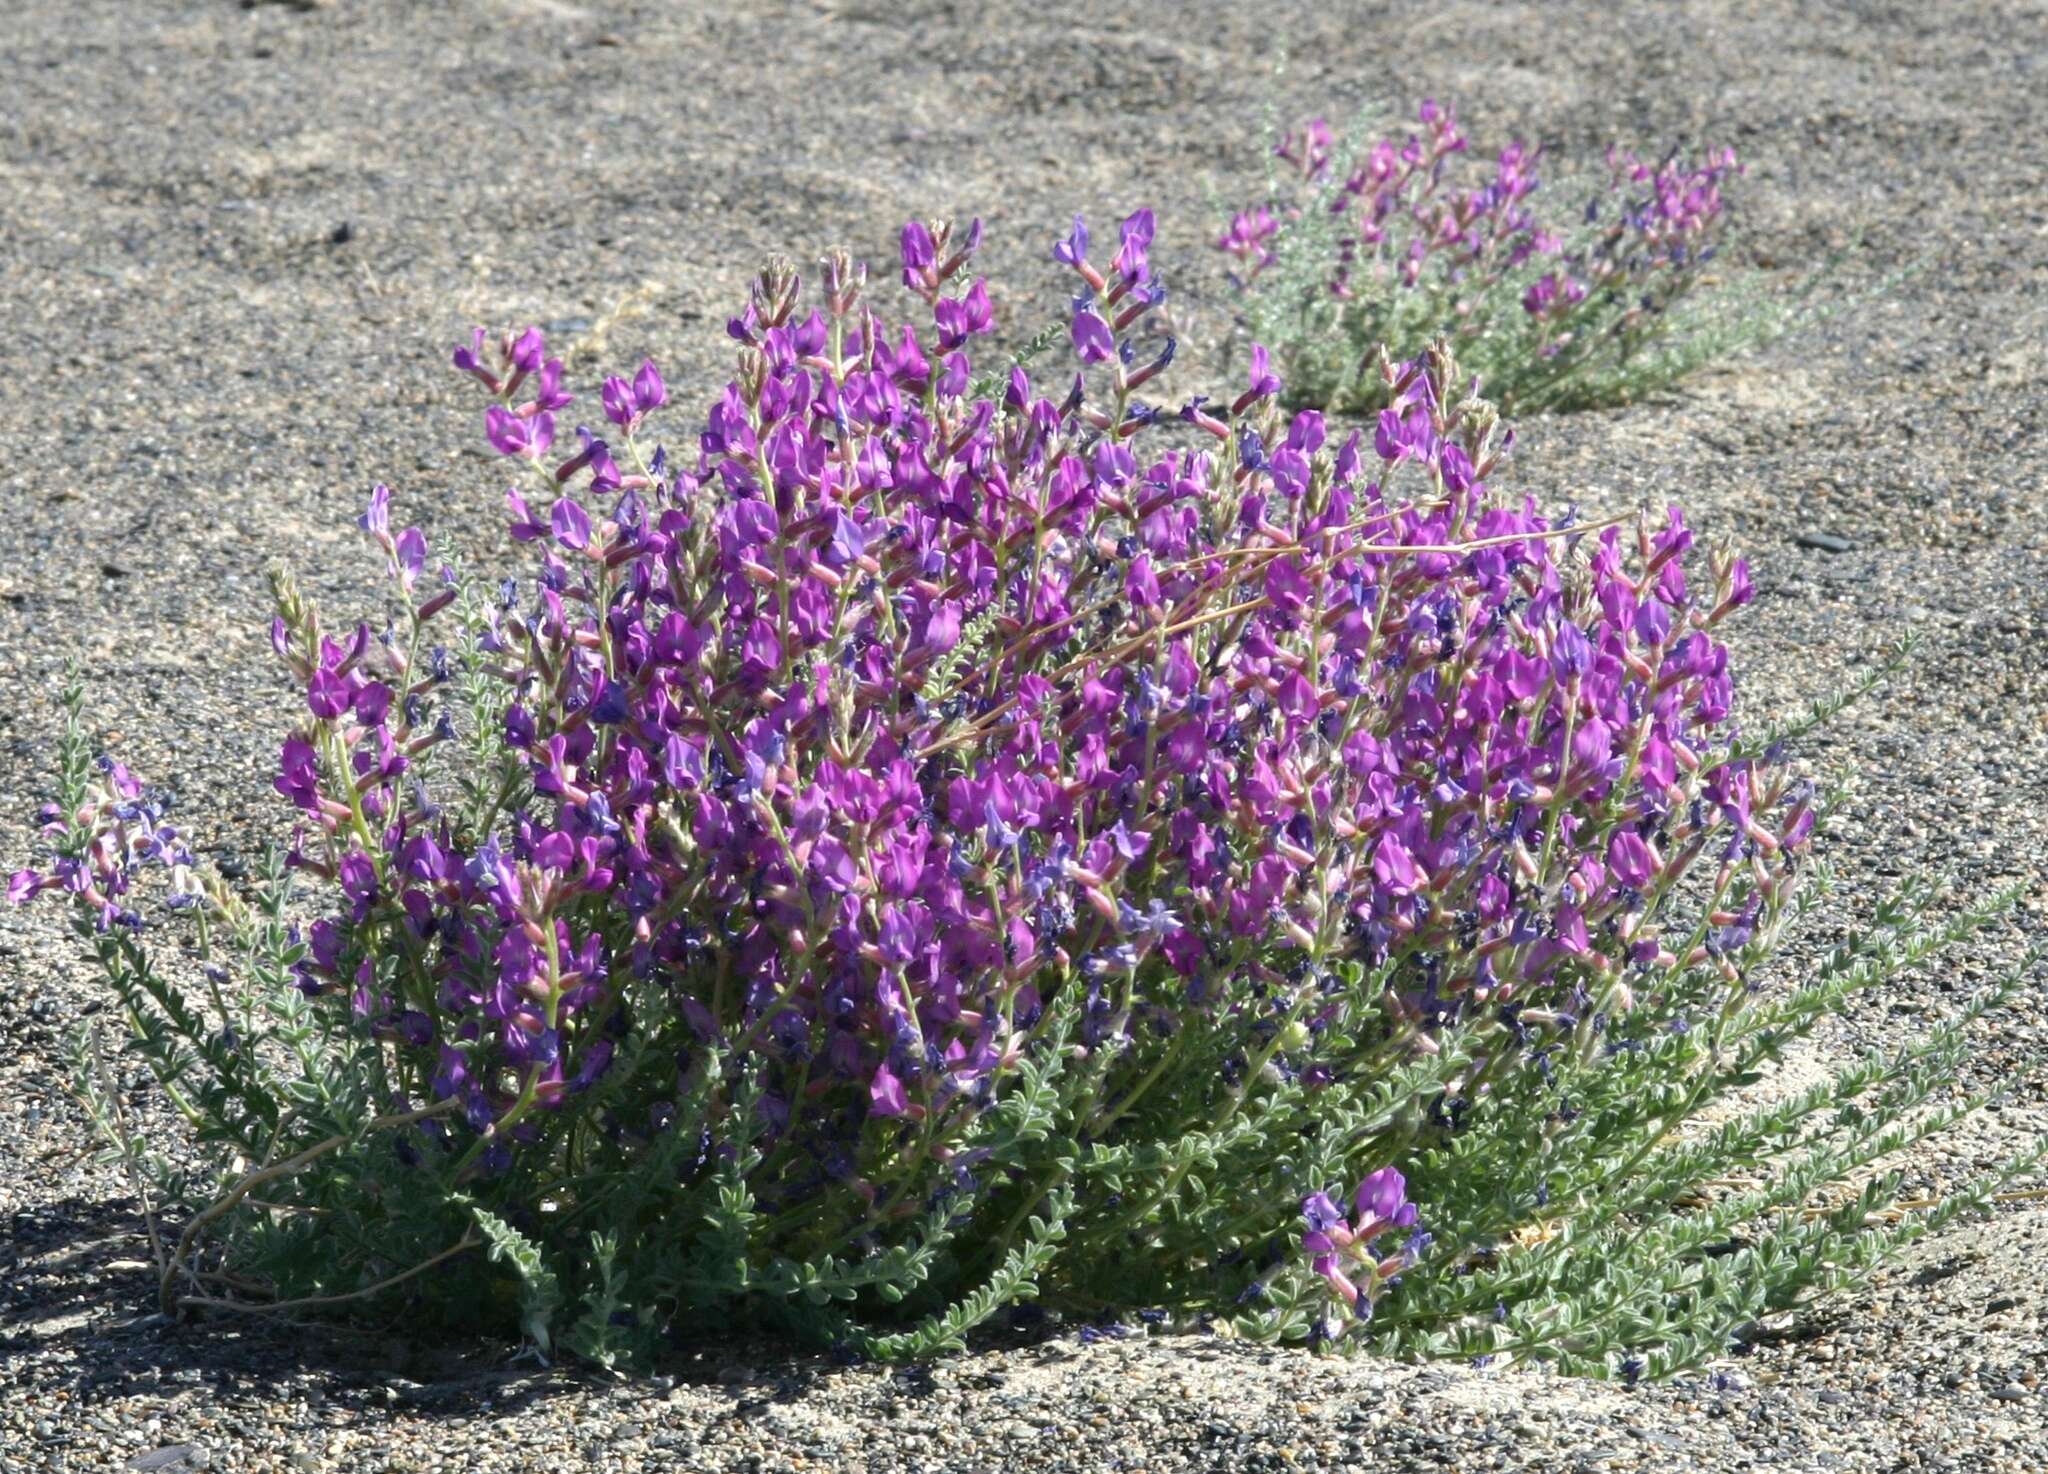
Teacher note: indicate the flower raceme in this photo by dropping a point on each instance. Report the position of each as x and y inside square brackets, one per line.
[1330, 1239]
[888, 743]
[1394, 238]
[1394, 198]
[129, 834]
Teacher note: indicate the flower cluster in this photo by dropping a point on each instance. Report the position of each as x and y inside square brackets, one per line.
[927, 779]
[1341, 1249]
[1217, 706]
[1390, 238]
[127, 834]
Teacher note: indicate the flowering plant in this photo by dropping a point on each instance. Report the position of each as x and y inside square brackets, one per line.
[1397, 241]
[914, 846]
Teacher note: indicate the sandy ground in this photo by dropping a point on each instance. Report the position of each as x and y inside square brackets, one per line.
[235, 245]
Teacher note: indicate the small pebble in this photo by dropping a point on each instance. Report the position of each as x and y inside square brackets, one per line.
[1826, 542]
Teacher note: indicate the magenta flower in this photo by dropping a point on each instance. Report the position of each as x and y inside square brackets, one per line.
[1394, 867]
[627, 404]
[650, 392]
[1141, 586]
[959, 319]
[528, 350]
[617, 398]
[1630, 859]
[1134, 237]
[409, 556]
[548, 394]
[1264, 383]
[570, 524]
[1406, 435]
[1308, 147]
[1073, 250]
[1092, 338]
[919, 254]
[886, 1096]
[1247, 235]
[470, 360]
[327, 694]
[513, 436]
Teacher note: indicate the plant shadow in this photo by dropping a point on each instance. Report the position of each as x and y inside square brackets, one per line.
[79, 1310]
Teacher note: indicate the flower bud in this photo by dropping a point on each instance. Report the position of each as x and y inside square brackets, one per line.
[752, 372]
[844, 278]
[775, 291]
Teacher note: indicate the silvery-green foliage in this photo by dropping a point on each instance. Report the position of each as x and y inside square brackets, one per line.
[1626, 285]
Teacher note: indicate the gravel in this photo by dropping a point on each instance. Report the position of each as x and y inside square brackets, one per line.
[235, 244]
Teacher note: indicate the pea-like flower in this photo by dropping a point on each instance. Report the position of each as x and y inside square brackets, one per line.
[1341, 1249]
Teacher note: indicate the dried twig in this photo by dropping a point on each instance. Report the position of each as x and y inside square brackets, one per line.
[156, 1238]
[468, 1241]
[180, 1258]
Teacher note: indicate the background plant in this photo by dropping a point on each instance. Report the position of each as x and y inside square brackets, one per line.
[935, 842]
[1618, 292]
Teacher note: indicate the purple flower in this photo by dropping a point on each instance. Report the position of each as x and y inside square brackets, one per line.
[327, 694]
[510, 435]
[548, 395]
[1264, 383]
[470, 359]
[570, 523]
[650, 392]
[886, 1096]
[299, 775]
[596, 1060]
[1394, 867]
[1247, 234]
[626, 404]
[617, 398]
[452, 1075]
[1630, 859]
[919, 254]
[1571, 654]
[523, 527]
[1073, 250]
[1222, 730]
[528, 351]
[1382, 1195]
[358, 880]
[1134, 241]
[961, 318]
[1320, 1213]
[847, 542]
[942, 629]
[1092, 338]
[376, 518]
[1403, 436]
[409, 556]
[1141, 586]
